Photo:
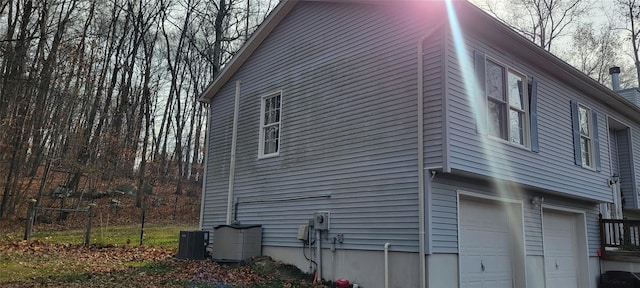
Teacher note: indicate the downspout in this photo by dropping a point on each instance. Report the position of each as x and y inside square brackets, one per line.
[232, 160]
[386, 264]
[421, 206]
[204, 175]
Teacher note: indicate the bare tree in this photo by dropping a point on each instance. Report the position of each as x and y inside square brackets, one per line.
[594, 51]
[83, 89]
[630, 9]
[542, 21]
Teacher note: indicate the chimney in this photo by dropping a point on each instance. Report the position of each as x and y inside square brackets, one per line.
[615, 78]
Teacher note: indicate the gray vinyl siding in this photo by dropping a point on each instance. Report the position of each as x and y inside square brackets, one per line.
[553, 167]
[219, 153]
[635, 159]
[631, 94]
[433, 57]
[613, 150]
[444, 226]
[445, 220]
[626, 176]
[348, 78]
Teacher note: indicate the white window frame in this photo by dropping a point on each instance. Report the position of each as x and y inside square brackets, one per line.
[526, 142]
[587, 137]
[263, 126]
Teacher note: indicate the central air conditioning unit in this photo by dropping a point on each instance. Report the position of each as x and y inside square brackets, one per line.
[193, 245]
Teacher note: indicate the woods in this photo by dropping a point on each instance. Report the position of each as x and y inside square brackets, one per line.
[105, 90]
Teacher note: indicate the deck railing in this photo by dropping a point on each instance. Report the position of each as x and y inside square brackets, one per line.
[619, 235]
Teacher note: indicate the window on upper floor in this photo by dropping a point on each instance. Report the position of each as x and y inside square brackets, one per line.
[270, 119]
[507, 102]
[510, 99]
[585, 136]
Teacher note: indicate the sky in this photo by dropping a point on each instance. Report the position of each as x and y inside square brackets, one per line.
[600, 13]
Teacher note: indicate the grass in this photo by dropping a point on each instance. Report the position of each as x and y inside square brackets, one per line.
[15, 266]
[156, 235]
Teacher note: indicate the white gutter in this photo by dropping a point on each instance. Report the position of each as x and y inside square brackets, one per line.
[386, 264]
[204, 175]
[232, 160]
[421, 218]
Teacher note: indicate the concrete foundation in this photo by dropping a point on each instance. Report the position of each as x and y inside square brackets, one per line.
[443, 270]
[365, 268]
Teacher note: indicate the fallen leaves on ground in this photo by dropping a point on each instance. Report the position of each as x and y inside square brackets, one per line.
[39, 264]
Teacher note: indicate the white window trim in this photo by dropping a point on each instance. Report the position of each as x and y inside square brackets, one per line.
[591, 156]
[525, 89]
[261, 154]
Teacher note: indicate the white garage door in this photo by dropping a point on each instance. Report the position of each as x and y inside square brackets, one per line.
[485, 245]
[560, 249]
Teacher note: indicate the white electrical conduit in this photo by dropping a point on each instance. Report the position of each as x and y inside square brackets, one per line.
[319, 252]
[386, 265]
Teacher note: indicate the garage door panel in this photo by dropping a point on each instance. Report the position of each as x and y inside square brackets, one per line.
[491, 264]
[562, 245]
[481, 242]
[471, 284]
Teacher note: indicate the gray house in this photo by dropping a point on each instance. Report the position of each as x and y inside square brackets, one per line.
[428, 145]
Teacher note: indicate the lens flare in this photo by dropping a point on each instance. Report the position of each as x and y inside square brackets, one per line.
[498, 171]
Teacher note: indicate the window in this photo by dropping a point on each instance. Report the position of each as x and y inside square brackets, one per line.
[586, 145]
[270, 118]
[585, 135]
[506, 103]
[510, 101]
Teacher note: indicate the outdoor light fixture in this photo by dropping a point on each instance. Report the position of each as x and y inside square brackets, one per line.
[614, 179]
[536, 201]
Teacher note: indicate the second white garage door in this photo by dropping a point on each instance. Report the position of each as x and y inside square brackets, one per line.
[561, 248]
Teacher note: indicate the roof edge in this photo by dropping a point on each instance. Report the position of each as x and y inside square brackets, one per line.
[274, 18]
[563, 70]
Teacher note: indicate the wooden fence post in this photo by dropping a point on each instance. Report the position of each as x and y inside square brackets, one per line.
[30, 218]
[144, 209]
[87, 225]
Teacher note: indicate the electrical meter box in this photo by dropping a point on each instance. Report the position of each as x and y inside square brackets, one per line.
[321, 220]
